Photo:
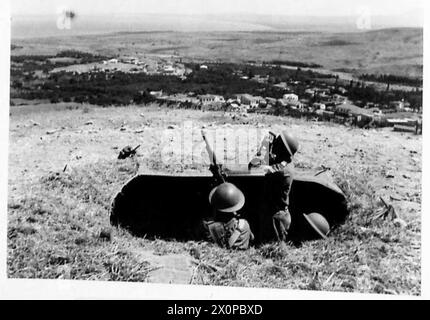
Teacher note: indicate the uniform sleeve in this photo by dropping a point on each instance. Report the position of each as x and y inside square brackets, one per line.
[280, 178]
[262, 156]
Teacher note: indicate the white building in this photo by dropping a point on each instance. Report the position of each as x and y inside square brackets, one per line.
[291, 97]
[250, 100]
[319, 106]
[211, 98]
[338, 99]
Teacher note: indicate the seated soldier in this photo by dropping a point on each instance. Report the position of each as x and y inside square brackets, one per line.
[226, 228]
[275, 156]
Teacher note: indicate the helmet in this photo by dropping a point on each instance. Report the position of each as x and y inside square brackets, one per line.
[226, 198]
[318, 223]
[290, 142]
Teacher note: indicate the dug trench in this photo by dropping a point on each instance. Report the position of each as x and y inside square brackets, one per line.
[173, 207]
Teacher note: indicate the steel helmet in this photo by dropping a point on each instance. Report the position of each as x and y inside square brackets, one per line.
[226, 198]
[290, 142]
[318, 223]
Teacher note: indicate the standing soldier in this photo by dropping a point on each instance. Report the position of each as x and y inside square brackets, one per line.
[275, 157]
[226, 228]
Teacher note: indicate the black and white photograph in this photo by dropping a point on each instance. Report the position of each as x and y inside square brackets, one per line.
[223, 144]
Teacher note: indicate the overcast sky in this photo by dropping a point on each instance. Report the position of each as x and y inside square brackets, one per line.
[277, 7]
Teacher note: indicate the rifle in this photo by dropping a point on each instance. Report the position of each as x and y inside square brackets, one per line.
[215, 168]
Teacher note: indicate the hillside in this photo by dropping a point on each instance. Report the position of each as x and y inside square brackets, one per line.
[63, 173]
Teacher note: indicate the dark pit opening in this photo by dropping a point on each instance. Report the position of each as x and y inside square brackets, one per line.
[173, 207]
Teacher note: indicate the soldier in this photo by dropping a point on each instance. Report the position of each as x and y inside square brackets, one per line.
[275, 157]
[226, 228]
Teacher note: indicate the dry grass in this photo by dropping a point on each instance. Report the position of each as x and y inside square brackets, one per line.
[58, 221]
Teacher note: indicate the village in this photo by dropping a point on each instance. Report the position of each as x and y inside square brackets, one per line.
[320, 102]
[326, 99]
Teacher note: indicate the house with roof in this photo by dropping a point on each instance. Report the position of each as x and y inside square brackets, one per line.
[156, 94]
[339, 99]
[270, 102]
[250, 100]
[168, 69]
[310, 92]
[281, 85]
[290, 97]
[319, 106]
[357, 115]
[210, 98]
[347, 110]
[342, 90]
[397, 105]
[294, 104]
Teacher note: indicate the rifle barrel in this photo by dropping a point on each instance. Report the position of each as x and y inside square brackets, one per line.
[212, 157]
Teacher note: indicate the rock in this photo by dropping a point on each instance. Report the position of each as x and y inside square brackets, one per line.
[64, 271]
[171, 127]
[364, 229]
[379, 288]
[122, 129]
[80, 241]
[347, 284]
[105, 234]
[139, 131]
[390, 291]
[127, 151]
[395, 198]
[89, 123]
[400, 223]
[195, 253]
[363, 269]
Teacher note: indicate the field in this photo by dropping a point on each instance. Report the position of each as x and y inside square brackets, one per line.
[64, 172]
[388, 51]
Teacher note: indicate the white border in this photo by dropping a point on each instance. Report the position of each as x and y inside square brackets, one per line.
[72, 289]
[425, 219]
[4, 134]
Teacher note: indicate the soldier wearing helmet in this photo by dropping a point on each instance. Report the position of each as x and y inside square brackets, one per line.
[275, 156]
[226, 228]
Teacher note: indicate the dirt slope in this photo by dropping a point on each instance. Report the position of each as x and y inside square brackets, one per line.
[58, 221]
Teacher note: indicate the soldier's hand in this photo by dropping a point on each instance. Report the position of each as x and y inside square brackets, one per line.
[215, 168]
[267, 169]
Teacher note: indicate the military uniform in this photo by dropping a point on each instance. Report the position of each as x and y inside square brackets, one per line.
[233, 234]
[279, 178]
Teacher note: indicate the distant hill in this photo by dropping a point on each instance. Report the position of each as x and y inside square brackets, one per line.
[397, 51]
